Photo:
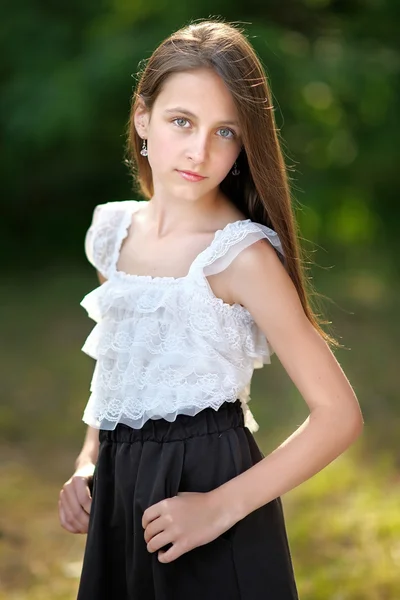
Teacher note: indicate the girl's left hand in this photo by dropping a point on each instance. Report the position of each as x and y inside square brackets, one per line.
[187, 520]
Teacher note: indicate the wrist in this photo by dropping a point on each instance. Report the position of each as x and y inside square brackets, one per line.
[227, 505]
[84, 465]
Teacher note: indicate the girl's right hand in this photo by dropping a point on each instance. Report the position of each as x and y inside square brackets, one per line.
[75, 500]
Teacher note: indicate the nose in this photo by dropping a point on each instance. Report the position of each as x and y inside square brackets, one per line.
[198, 148]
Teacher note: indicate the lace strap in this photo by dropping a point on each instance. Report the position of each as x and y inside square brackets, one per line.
[106, 232]
[232, 240]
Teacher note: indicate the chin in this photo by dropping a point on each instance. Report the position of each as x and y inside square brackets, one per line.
[190, 190]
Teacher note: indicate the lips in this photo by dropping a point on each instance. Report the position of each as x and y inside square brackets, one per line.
[190, 175]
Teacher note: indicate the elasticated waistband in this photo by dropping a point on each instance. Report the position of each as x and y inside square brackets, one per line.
[207, 421]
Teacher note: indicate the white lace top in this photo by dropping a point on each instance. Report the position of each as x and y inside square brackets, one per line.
[164, 345]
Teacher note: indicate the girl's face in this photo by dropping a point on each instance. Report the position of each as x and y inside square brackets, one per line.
[193, 127]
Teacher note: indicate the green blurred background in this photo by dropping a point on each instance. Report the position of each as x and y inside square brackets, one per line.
[67, 74]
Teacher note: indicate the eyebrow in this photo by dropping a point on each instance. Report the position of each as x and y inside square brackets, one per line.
[193, 116]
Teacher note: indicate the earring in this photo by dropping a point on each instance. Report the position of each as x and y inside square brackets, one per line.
[235, 171]
[143, 151]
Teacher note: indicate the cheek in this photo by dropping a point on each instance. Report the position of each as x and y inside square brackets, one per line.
[223, 160]
[163, 148]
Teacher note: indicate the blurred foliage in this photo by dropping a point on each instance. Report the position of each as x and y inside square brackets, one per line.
[67, 74]
[67, 77]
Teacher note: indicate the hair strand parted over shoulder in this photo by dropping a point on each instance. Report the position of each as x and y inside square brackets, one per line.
[261, 191]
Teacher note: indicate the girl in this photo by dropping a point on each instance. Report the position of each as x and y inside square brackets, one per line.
[200, 284]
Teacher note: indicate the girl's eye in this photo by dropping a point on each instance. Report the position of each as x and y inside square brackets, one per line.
[227, 132]
[180, 119]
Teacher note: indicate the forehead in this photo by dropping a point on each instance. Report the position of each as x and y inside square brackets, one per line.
[202, 91]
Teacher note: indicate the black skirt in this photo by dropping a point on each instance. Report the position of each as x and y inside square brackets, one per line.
[137, 468]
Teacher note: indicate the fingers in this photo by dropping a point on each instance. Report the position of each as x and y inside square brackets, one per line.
[68, 520]
[74, 505]
[167, 556]
[158, 541]
[153, 529]
[154, 511]
[82, 490]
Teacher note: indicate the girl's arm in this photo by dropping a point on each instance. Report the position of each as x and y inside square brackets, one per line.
[90, 450]
[75, 498]
[260, 283]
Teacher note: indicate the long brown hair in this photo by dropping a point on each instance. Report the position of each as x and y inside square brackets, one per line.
[261, 191]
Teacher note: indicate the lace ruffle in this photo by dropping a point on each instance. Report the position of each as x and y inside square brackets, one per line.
[158, 349]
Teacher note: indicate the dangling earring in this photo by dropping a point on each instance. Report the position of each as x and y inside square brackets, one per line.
[235, 171]
[143, 151]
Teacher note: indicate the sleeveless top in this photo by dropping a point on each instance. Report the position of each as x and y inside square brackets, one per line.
[164, 345]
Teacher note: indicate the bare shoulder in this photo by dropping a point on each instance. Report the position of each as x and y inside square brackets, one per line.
[257, 255]
[259, 262]
[259, 281]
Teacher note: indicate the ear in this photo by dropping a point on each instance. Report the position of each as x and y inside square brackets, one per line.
[141, 119]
